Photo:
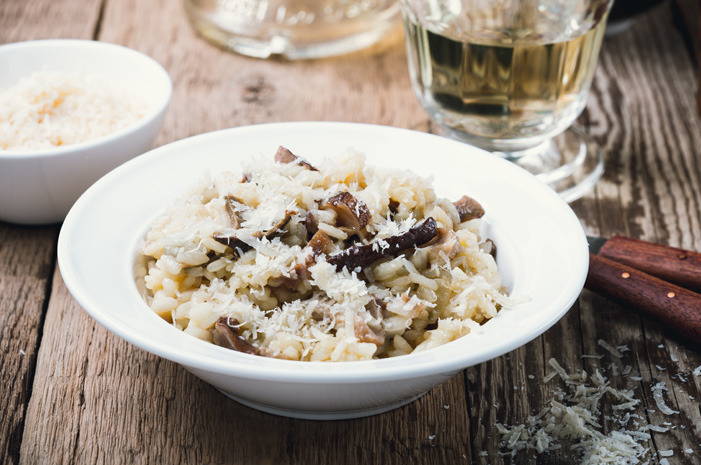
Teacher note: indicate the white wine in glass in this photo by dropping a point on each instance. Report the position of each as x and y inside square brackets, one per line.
[511, 77]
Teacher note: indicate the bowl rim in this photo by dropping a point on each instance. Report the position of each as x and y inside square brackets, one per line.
[428, 363]
[153, 113]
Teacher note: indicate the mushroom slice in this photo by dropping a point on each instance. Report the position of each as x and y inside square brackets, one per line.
[226, 334]
[393, 206]
[361, 256]
[276, 230]
[488, 246]
[361, 329]
[239, 246]
[317, 245]
[446, 241]
[311, 225]
[229, 201]
[352, 215]
[366, 334]
[283, 155]
[376, 307]
[468, 208]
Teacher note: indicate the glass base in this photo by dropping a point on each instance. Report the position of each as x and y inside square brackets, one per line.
[570, 162]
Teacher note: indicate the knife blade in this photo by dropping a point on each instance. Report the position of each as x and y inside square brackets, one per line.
[672, 264]
[677, 308]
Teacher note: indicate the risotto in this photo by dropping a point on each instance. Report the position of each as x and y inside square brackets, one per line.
[340, 261]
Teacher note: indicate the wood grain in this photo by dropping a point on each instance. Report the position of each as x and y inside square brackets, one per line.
[641, 115]
[47, 19]
[96, 399]
[26, 264]
[27, 255]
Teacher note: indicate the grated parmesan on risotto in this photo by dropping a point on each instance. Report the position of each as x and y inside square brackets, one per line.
[336, 263]
[48, 109]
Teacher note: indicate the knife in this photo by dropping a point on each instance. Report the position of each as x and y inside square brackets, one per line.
[678, 266]
[677, 308]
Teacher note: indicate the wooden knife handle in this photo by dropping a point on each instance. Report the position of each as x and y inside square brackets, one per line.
[678, 266]
[676, 308]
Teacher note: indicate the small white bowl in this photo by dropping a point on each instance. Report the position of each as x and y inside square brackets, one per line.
[542, 255]
[40, 186]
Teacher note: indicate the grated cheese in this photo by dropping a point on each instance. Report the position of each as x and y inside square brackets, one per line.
[49, 109]
[573, 415]
[657, 394]
[615, 352]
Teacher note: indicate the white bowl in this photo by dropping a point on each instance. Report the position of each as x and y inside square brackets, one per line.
[542, 255]
[40, 186]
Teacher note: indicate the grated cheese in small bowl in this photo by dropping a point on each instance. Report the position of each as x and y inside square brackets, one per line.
[70, 112]
[49, 109]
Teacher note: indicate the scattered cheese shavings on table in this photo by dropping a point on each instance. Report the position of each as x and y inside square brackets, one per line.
[573, 415]
[614, 351]
[657, 391]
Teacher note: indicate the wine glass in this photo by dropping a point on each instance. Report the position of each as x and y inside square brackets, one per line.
[511, 76]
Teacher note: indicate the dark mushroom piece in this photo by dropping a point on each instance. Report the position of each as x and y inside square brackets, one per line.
[361, 329]
[468, 208]
[229, 201]
[277, 229]
[360, 256]
[283, 155]
[364, 333]
[311, 225]
[488, 246]
[226, 334]
[319, 244]
[376, 307]
[240, 247]
[393, 206]
[352, 215]
[446, 241]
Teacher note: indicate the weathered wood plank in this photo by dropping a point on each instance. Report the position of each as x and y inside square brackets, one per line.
[47, 19]
[645, 117]
[26, 263]
[27, 255]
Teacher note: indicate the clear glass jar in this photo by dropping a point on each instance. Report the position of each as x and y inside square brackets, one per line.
[293, 29]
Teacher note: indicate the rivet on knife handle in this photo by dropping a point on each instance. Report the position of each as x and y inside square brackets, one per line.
[679, 266]
[677, 308]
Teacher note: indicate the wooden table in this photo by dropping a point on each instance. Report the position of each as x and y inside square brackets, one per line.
[71, 392]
